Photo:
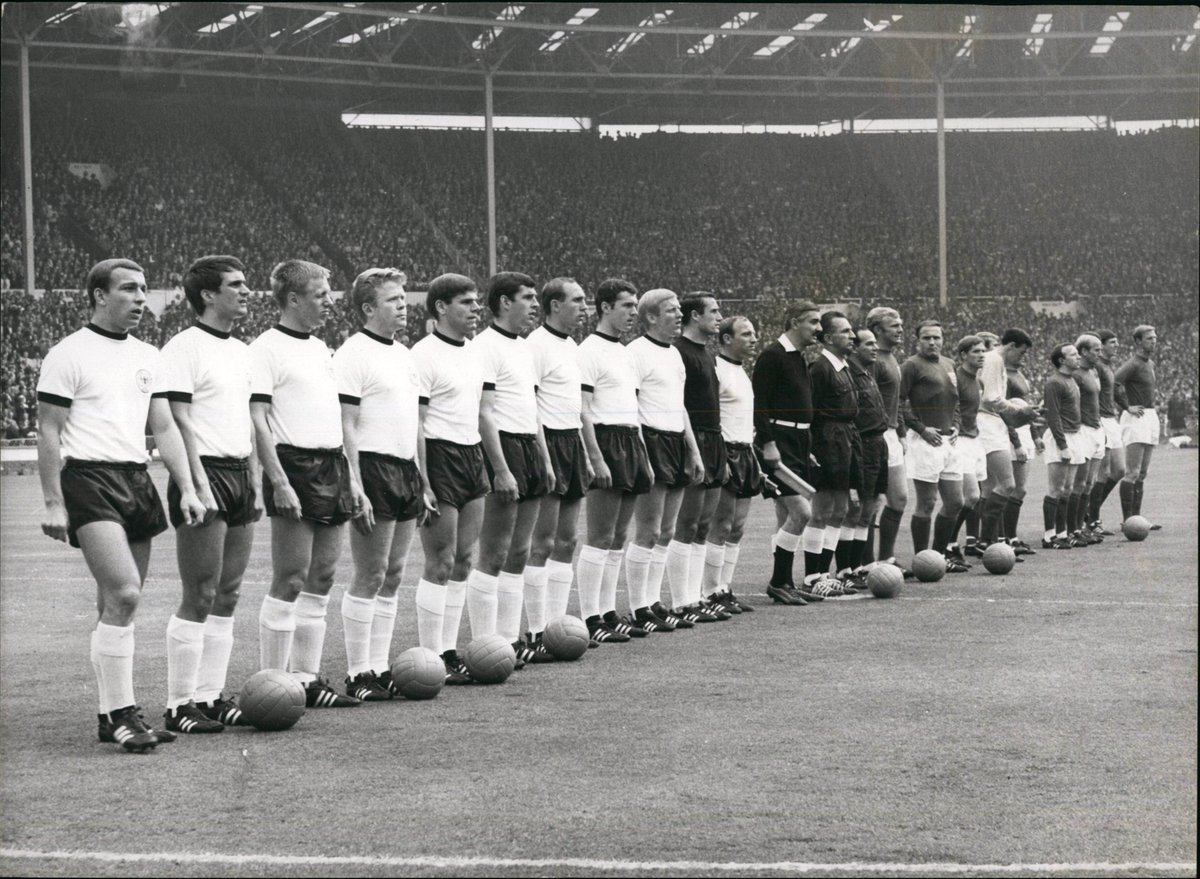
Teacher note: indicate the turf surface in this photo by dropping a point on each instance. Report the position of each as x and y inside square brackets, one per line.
[1043, 718]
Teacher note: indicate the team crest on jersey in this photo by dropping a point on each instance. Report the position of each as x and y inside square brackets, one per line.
[144, 379]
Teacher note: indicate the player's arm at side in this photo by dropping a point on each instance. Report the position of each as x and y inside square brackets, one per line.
[431, 507]
[175, 456]
[908, 375]
[52, 418]
[506, 484]
[287, 502]
[760, 381]
[365, 520]
[1052, 397]
[603, 476]
[181, 411]
[1119, 394]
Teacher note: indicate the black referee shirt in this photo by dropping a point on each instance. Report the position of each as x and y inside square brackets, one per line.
[781, 389]
[701, 390]
[872, 417]
[833, 395]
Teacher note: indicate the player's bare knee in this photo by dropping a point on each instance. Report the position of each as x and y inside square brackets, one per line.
[121, 603]
[226, 599]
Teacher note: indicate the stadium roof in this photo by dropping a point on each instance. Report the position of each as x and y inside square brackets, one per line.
[631, 62]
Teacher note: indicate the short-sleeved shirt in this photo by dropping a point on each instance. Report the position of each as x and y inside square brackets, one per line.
[833, 395]
[450, 384]
[1089, 396]
[293, 371]
[887, 377]
[701, 391]
[509, 373]
[607, 372]
[556, 367]
[969, 395]
[661, 377]
[210, 370]
[377, 375]
[106, 380]
[872, 417]
[782, 391]
[930, 388]
[737, 401]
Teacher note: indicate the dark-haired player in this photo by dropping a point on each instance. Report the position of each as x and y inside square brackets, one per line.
[1092, 433]
[871, 422]
[972, 458]
[450, 454]
[1134, 392]
[888, 328]
[94, 398]
[208, 386]
[1113, 469]
[1065, 450]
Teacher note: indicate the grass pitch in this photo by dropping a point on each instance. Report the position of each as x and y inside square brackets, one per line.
[1040, 723]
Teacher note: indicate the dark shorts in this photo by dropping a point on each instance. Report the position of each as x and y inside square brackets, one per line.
[668, 456]
[794, 445]
[621, 447]
[745, 476]
[524, 459]
[232, 489]
[570, 463]
[714, 456]
[121, 492]
[320, 478]
[457, 474]
[392, 485]
[874, 466]
[838, 451]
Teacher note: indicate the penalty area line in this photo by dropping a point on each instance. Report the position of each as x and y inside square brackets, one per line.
[445, 863]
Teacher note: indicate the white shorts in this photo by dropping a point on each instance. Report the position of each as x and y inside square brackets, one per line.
[993, 433]
[1076, 451]
[928, 463]
[1025, 433]
[971, 457]
[1093, 438]
[1112, 432]
[1143, 429]
[895, 448]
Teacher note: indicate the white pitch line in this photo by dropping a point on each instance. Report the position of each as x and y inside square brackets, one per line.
[441, 863]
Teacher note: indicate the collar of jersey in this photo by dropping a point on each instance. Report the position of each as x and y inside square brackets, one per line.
[212, 331]
[380, 339]
[654, 341]
[730, 360]
[499, 329]
[838, 363]
[606, 336]
[295, 334]
[555, 332]
[457, 343]
[786, 342]
[120, 337]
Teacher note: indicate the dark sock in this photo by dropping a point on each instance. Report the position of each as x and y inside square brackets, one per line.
[1109, 485]
[957, 526]
[920, 532]
[826, 560]
[844, 554]
[812, 564]
[866, 555]
[1095, 499]
[1049, 513]
[1061, 514]
[1126, 499]
[889, 527]
[1012, 514]
[993, 513]
[1072, 512]
[782, 575]
[1138, 488]
[975, 516]
[943, 530]
[858, 553]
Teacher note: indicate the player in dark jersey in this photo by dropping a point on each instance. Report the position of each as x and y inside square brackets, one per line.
[1113, 469]
[854, 547]
[1134, 386]
[888, 328]
[1088, 379]
[1065, 450]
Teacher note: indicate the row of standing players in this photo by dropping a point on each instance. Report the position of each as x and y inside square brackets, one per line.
[485, 445]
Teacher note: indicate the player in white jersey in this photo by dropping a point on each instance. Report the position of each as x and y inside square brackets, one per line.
[517, 460]
[377, 388]
[309, 490]
[94, 398]
[614, 445]
[738, 342]
[450, 454]
[208, 386]
[674, 459]
[548, 574]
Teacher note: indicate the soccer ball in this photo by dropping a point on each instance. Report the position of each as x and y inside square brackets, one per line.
[1136, 528]
[272, 700]
[929, 566]
[999, 558]
[566, 638]
[885, 581]
[418, 673]
[490, 659]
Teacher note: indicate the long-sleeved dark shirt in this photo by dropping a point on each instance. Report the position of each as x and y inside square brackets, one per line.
[833, 395]
[701, 390]
[781, 389]
[1108, 403]
[1134, 382]
[872, 418]
[887, 377]
[969, 394]
[929, 393]
[1089, 396]
[1062, 407]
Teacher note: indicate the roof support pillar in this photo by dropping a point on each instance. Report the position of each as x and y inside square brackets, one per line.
[490, 146]
[27, 170]
[943, 296]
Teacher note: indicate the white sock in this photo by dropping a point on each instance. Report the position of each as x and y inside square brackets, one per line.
[535, 598]
[860, 533]
[637, 574]
[732, 551]
[679, 563]
[591, 573]
[185, 643]
[714, 563]
[214, 659]
[456, 597]
[654, 576]
[383, 626]
[510, 592]
[276, 631]
[612, 573]
[309, 642]
[481, 603]
[788, 541]
[94, 656]
[431, 614]
[696, 573]
[813, 539]
[558, 588]
[833, 534]
[357, 616]
[114, 656]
